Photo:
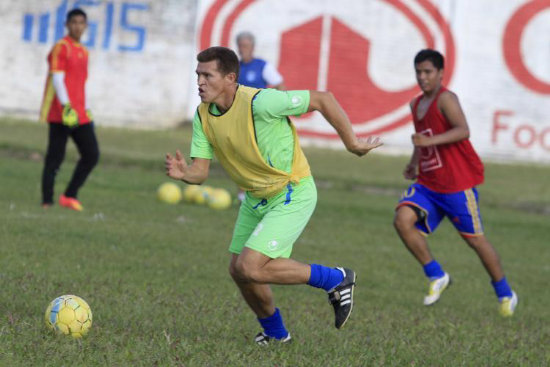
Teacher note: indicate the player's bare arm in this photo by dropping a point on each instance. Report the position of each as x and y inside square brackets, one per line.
[331, 110]
[411, 169]
[178, 169]
[450, 107]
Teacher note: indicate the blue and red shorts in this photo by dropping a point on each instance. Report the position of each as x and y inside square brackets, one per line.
[461, 208]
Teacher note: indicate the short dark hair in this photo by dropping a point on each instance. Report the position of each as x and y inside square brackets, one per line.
[76, 12]
[430, 55]
[227, 60]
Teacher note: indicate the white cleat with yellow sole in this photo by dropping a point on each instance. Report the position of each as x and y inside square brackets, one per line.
[508, 305]
[437, 286]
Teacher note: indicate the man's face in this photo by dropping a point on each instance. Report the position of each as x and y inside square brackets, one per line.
[76, 26]
[427, 76]
[212, 84]
[246, 48]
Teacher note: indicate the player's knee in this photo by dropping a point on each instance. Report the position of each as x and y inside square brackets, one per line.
[52, 167]
[403, 220]
[91, 158]
[233, 272]
[95, 158]
[53, 161]
[242, 271]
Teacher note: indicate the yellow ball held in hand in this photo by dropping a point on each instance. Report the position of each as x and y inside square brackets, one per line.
[69, 116]
[220, 199]
[169, 193]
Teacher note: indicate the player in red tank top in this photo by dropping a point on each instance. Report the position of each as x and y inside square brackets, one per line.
[447, 170]
[446, 167]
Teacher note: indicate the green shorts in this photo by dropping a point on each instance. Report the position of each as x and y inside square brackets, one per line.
[272, 226]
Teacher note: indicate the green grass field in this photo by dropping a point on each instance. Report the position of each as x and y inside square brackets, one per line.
[156, 278]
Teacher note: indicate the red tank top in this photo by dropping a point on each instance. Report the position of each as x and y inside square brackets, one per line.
[445, 168]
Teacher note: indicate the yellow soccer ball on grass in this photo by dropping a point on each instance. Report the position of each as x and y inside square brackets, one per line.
[69, 315]
[190, 192]
[219, 199]
[201, 197]
[169, 193]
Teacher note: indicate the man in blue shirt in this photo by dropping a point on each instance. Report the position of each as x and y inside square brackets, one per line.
[254, 72]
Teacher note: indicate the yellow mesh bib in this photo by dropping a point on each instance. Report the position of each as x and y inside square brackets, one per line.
[233, 138]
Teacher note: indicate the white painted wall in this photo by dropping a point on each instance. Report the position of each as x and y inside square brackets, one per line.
[138, 71]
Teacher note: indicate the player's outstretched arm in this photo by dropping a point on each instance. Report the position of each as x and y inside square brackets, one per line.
[178, 169]
[331, 110]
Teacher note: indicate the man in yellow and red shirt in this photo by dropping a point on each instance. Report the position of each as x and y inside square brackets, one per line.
[65, 108]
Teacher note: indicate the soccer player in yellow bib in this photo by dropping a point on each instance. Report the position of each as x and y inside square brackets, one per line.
[253, 138]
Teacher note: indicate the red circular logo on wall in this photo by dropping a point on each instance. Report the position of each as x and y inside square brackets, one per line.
[362, 53]
[511, 45]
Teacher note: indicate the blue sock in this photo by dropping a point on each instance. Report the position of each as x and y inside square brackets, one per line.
[324, 277]
[274, 326]
[502, 289]
[433, 270]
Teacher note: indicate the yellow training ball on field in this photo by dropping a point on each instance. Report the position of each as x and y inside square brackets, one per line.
[190, 192]
[69, 315]
[169, 193]
[220, 199]
[201, 197]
